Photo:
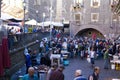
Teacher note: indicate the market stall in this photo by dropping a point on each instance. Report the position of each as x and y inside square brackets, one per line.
[55, 58]
[115, 63]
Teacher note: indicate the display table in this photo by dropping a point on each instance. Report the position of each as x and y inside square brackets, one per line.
[115, 64]
[55, 58]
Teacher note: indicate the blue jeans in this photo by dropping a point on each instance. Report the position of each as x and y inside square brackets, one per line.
[106, 63]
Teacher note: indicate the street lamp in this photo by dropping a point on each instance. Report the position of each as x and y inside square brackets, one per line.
[24, 7]
[43, 20]
[36, 17]
[51, 25]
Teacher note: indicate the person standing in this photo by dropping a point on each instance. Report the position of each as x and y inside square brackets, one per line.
[51, 70]
[95, 75]
[92, 56]
[27, 60]
[31, 75]
[106, 58]
[79, 76]
[42, 46]
[82, 50]
[34, 58]
[58, 74]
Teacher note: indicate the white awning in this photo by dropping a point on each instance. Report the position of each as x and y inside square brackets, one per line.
[32, 22]
[48, 23]
[58, 24]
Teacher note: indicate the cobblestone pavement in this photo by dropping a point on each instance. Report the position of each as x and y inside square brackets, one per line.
[77, 63]
[86, 68]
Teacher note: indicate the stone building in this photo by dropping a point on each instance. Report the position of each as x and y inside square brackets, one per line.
[85, 17]
[38, 8]
[94, 17]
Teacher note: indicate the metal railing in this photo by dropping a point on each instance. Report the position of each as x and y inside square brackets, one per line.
[21, 40]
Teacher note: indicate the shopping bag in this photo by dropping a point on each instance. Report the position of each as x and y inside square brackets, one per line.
[88, 59]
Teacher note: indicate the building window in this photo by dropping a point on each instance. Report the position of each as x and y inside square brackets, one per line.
[37, 2]
[114, 2]
[114, 17]
[77, 18]
[95, 3]
[94, 17]
[79, 1]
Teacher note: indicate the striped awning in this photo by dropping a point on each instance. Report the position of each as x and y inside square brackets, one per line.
[9, 11]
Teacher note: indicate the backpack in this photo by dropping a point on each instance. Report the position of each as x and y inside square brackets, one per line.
[94, 76]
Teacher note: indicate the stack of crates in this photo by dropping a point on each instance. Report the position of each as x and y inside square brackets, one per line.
[65, 60]
[117, 65]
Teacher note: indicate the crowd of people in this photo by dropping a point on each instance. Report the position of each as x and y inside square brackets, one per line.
[27, 29]
[15, 35]
[20, 30]
[56, 73]
[93, 76]
[81, 47]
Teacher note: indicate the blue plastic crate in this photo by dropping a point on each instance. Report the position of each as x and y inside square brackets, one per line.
[65, 62]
